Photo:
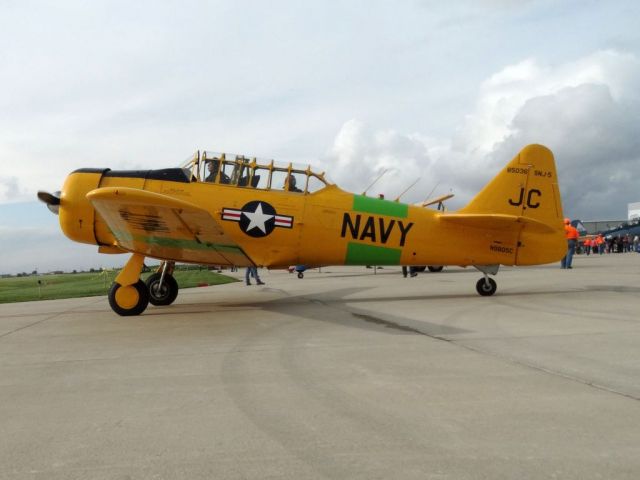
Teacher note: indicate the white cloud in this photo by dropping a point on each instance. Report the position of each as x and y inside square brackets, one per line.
[505, 93]
[586, 111]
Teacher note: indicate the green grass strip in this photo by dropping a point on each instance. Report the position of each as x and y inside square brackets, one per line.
[72, 285]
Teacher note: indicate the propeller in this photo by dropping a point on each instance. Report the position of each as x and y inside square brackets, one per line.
[51, 199]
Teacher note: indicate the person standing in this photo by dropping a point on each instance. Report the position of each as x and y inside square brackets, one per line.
[412, 271]
[252, 272]
[600, 244]
[572, 234]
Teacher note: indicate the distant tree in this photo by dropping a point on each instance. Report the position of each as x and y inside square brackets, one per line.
[91, 270]
[75, 271]
[35, 272]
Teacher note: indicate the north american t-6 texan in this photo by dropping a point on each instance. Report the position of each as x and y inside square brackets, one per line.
[222, 209]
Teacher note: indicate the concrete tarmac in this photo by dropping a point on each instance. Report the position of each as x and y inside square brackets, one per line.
[342, 375]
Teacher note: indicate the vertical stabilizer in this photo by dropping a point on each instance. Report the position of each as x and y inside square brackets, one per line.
[527, 187]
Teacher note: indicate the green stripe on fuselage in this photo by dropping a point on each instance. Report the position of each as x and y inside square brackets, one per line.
[362, 254]
[380, 207]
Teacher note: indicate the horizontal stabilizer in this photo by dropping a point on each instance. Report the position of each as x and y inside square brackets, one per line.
[497, 222]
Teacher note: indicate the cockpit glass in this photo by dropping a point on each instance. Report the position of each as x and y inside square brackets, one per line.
[314, 184]
[242, 171]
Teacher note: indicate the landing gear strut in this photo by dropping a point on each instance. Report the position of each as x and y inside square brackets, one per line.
[487, 286]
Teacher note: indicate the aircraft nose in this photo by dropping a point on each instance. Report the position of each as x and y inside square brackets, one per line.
[77, 216]
[52, 200]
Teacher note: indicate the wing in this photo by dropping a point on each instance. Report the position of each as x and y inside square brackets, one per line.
[164, 227]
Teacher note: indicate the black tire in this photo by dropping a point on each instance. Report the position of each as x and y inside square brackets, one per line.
[139, 299]
[300, 275]
[419, 268]
[165, 295]
[435, 268]
[486, 290]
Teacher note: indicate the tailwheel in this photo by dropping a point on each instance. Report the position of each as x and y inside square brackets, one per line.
[162, 291]
[486, 286]
[129, 299]
[300, 275]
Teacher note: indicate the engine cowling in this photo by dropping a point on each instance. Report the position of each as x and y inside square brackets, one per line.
[77, 215]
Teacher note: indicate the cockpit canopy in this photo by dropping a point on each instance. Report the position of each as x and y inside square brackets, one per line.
[242, 171]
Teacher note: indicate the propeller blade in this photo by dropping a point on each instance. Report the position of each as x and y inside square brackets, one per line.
[51, 199]
[48, 198]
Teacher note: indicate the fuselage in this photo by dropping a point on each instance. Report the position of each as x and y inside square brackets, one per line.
[278, 228]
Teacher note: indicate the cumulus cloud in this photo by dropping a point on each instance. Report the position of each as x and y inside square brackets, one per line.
[586, 111]
[359, 155]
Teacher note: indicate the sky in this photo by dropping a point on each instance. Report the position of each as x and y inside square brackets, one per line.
[443, 92]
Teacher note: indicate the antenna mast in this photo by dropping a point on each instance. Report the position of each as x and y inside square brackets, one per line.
[407, 189]
[375, 181]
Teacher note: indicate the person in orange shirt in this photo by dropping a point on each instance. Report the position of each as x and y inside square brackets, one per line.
[587, 246]
[600, 243]
[572, 234]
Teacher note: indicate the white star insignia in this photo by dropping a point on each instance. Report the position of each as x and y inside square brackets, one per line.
[257, 219]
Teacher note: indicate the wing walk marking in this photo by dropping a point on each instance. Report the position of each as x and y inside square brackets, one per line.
[178, 242]
[146, 222]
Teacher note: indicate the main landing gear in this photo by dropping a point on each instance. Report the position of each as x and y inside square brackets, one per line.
[487, 286]
[130, 296]
[163, 288]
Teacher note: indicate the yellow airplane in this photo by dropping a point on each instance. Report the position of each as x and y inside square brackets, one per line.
[231, 210]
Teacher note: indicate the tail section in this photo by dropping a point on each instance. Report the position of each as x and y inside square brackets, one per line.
[526, 187]
[524, 194]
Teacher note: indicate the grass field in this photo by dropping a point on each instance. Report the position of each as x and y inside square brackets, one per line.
[70, 285]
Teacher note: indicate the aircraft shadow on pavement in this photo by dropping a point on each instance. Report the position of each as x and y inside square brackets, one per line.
[332, 307]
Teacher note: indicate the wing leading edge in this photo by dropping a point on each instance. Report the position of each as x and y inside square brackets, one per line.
[164, 227]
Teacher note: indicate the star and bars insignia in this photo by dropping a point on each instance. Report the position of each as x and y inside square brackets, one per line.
[257, 219]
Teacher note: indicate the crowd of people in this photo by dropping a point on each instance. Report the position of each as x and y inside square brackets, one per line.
[597, 244]
[609, 244]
